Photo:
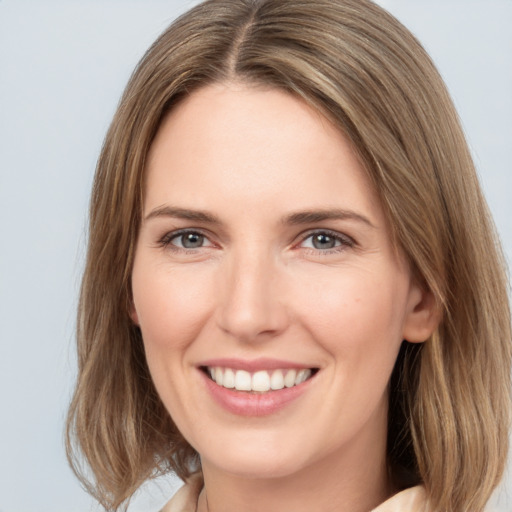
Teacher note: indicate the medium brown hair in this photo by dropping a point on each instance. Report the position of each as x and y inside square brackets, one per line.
[356, 64]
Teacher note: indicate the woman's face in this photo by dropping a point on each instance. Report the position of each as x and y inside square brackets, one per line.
[264, 259]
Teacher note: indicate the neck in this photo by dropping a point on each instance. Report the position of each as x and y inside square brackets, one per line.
[353, 479]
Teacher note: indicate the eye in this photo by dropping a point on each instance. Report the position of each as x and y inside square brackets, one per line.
[321, 241]
[189, 240]
[326, 241]
[185, 240]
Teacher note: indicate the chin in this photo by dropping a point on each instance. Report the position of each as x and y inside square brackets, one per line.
[257, 467]
[261, 458]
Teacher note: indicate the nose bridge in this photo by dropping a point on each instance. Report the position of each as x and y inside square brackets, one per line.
[251, 301]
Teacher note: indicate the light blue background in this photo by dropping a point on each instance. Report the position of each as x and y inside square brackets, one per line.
[63, 65]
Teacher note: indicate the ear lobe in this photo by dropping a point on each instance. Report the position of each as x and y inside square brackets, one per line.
[423, 315]
[133, 314]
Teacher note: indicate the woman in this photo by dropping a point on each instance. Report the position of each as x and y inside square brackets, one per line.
[294, 296]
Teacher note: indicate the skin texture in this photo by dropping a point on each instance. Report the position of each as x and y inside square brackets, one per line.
[258, 287]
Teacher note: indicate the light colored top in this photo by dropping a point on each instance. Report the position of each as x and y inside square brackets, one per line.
[410, 500]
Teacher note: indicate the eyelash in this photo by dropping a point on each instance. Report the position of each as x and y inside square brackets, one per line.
[343, 241]
[166, 240]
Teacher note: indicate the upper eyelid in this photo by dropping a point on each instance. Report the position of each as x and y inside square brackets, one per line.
[171, 235]
[336, 234]
[184, 231]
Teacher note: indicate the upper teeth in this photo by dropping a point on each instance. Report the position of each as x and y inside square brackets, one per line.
[262, 380]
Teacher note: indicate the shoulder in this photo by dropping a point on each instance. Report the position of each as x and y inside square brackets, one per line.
[185, 500]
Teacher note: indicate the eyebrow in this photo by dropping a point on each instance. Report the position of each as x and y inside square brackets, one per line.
[293, 219]
[313, 216]
[183, 213]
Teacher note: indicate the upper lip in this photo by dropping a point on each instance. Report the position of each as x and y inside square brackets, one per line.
[254, 365]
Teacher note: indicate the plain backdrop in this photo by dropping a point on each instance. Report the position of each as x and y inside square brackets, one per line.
[63, 65]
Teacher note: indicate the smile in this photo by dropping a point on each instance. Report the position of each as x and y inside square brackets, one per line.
[258, 387]
[261, 381]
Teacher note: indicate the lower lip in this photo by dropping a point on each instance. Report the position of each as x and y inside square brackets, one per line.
[243, 403]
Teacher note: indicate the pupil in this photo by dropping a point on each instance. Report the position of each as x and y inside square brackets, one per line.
[323, 241]
[192, 240]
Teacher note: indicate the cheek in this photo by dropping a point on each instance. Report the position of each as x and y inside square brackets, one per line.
[355, 314]
[171, 306]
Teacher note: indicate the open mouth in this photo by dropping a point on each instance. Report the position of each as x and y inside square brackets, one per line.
[261, 381]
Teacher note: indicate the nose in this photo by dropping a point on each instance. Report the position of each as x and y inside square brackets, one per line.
[252, 305]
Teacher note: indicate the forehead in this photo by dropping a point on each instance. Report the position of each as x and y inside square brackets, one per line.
[256, 147]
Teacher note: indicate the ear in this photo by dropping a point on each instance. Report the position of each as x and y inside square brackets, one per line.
[423, 315]
[133, 313]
